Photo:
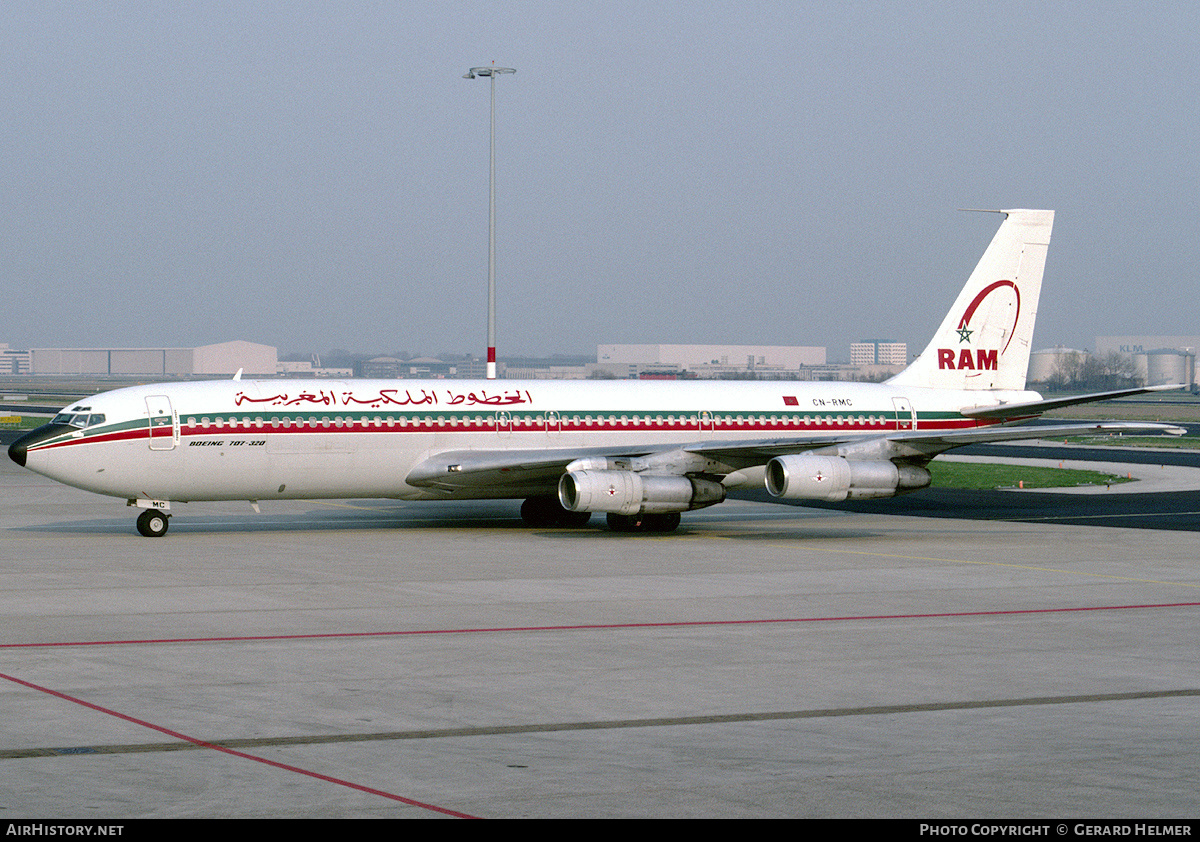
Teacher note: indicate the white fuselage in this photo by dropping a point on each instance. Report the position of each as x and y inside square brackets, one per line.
[289, 439]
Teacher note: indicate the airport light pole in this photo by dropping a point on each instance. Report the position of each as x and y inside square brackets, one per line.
[492, 73]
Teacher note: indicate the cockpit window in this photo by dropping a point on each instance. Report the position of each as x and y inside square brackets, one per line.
[80, 420]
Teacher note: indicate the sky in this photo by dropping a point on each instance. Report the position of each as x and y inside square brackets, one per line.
[315, 175]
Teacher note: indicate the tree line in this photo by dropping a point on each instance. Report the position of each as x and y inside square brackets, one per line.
[1090, 372]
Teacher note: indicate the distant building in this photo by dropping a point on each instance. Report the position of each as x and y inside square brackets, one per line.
[1158, 359]
[13, 361]
[1048, 363]
[295, 368]
[379, 368]
[1142, 344]
[878, 352]
[708, 361]
[222, 359]
[1170, 365]
[548, 372]
[556, 367]
[419, 368]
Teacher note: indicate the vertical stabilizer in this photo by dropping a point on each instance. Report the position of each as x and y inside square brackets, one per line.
[985, 339]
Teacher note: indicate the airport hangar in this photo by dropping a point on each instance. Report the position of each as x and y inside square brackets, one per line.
[224, 358]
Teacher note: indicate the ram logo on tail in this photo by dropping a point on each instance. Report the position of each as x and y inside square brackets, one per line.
[984, 359]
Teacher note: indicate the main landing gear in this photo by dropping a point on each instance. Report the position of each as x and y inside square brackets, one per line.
[152, 523]
[547, 511]
[666, 522]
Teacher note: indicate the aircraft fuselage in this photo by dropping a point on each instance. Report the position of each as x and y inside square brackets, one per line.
[292, 439]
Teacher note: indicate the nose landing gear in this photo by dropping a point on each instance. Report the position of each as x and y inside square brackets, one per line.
[152, 523]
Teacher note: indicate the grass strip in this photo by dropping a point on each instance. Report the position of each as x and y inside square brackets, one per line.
[982, 476]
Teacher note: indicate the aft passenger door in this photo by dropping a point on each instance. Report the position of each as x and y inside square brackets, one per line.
[164, 423]
[906, 419]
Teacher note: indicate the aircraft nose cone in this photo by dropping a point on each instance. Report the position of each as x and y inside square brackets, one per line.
[18, 451]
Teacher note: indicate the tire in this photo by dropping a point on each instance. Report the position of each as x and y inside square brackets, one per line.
[547, 511]
[667, 522]
[540, 511]
[574, 520]
[625, 523]
[152, 524]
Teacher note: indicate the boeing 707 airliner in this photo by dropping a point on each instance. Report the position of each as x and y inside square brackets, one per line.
[640, 452]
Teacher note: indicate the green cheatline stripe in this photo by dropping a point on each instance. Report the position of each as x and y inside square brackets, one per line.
[598, 725]
[191, 419]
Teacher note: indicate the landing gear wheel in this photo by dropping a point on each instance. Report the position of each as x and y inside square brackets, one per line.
[152, 524]
[625, 523]
[666, 522]
[547, 511]
[575, 519]
[540, 511]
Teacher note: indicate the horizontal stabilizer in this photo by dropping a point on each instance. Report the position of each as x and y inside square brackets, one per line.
[1025, 410]
[982, 435]
[922, 444]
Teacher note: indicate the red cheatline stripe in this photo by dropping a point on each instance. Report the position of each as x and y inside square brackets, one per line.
[637, 424]
[599, 626]
[139, 433]
[235, 753]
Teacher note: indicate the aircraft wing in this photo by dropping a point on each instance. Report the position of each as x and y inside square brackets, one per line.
[531, 472]
[537, 471]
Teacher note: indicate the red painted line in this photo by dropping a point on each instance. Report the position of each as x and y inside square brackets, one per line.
[234, 752]
[597, 626]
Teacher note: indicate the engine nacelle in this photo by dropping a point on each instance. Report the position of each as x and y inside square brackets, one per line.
[807, 476]
[630, 493]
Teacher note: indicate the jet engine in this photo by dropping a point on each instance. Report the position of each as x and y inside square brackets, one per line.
[631, 493]
[807, 476]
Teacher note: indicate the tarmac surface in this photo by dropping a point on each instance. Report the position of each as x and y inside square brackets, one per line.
[385, 659]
